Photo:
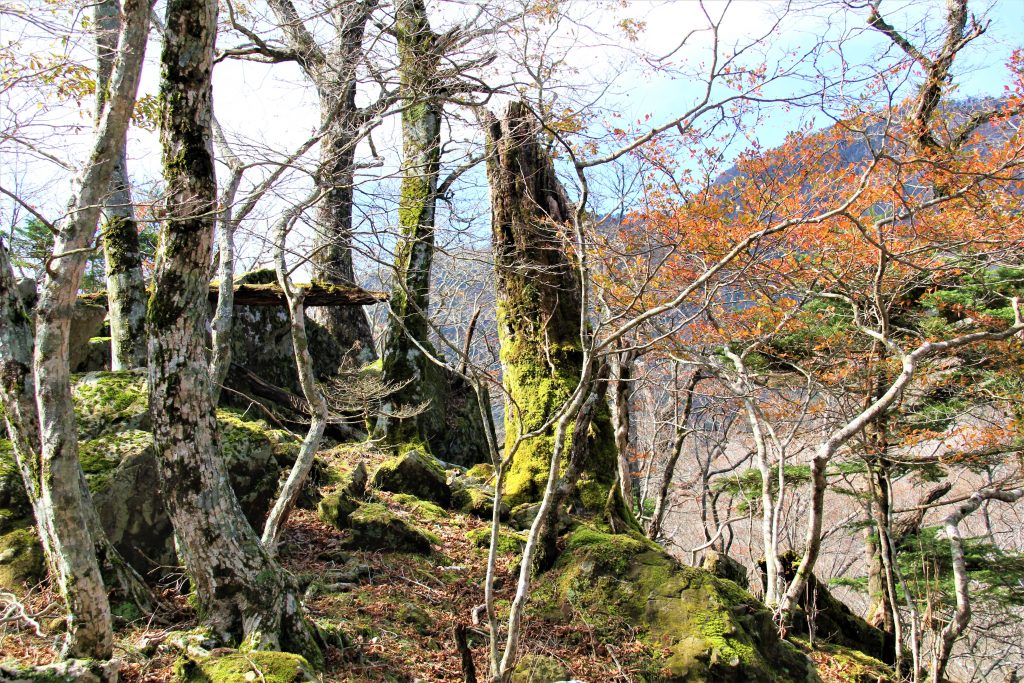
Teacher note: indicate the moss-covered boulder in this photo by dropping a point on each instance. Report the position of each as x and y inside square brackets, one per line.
[68, 671]
[539, 669]
[414, 473]
[838, 663]
[21, 557]
[521, 517]
[472, 495]
[335, 509]
[243, 667]
[97, 356]
[261, 342]
[509, 542]
[374, 527]
[708, 628]
[13, 501]
[116, 451]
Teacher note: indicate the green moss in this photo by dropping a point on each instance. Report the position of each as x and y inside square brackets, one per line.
[414, 473]
[101, 456]
[706, 629]
[483, 471]
[837, 663]
[534, 668]
[21, 557]
[374, 527]
[109, 402]
[244, 667]
[509, 542]
[335, 508]
[422, 509]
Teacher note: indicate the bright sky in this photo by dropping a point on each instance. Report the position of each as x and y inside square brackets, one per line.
[271, 109]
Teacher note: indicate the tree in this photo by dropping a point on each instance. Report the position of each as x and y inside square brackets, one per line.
[243, 594]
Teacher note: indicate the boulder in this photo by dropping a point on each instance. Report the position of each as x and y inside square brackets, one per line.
[414, 473]
[261, 342]
[374, 527]
[708, 628]
[13, 500]
[68, 671]
[334, 508]
[539, 669]
[232, 666]
[116, 451]
[86, 323]
[473, 496]
[725, 567]
[97, 356]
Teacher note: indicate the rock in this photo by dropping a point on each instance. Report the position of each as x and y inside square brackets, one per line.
[21, 557]
[116, 451]
[86, 323]
[724, 567]
[837, 663]
[539, 669]
[335, 508]
[374, 527]
[243, 667]
[521, 517]
[834, 622]
[261, 342]
[709, 628]
[13, 500]
[97, 356]
[474, 497]
[69, 671]
[509, 542]
[416, 474]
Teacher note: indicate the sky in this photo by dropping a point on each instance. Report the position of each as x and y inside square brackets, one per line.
[269, 110]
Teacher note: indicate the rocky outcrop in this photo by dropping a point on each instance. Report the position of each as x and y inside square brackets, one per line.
[116, 451]
[232, 666]
[414, 473]
[707, 628]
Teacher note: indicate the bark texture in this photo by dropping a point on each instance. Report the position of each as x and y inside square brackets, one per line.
[538, 308]
[126, 286]
[405, 364]
[243, 594]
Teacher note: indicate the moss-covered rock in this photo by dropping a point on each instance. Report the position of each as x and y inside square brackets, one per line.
[509, 542]
[21, 557]
[833, 621]
[68, 671]
[335, 509]
[421, 509]
[13, 501]
[521, 517]
[110, 403]
[539, 669]
[838, 663]
[97, 356]
[244, 667]
[374, 527]
[473, 496]
[709, 628]
[414, 473]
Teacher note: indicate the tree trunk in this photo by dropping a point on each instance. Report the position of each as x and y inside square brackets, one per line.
[243, 594]
[126, 288]
[405, 365]
[538, 308]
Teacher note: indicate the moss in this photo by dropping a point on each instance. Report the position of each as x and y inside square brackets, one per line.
[534, 668]
[244, 667]
[422, 509]
[414, 473]
[109, 402]
[374, 527]
[21, 557]
[707, 629]
[509, 542]
[838, 663]
[335, 509]
[482, 471]
[101, 456]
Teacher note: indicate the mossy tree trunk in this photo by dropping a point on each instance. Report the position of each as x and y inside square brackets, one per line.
[538, 309]
[243, 594]
[126, 287]
[334, 72]
[405, 365]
